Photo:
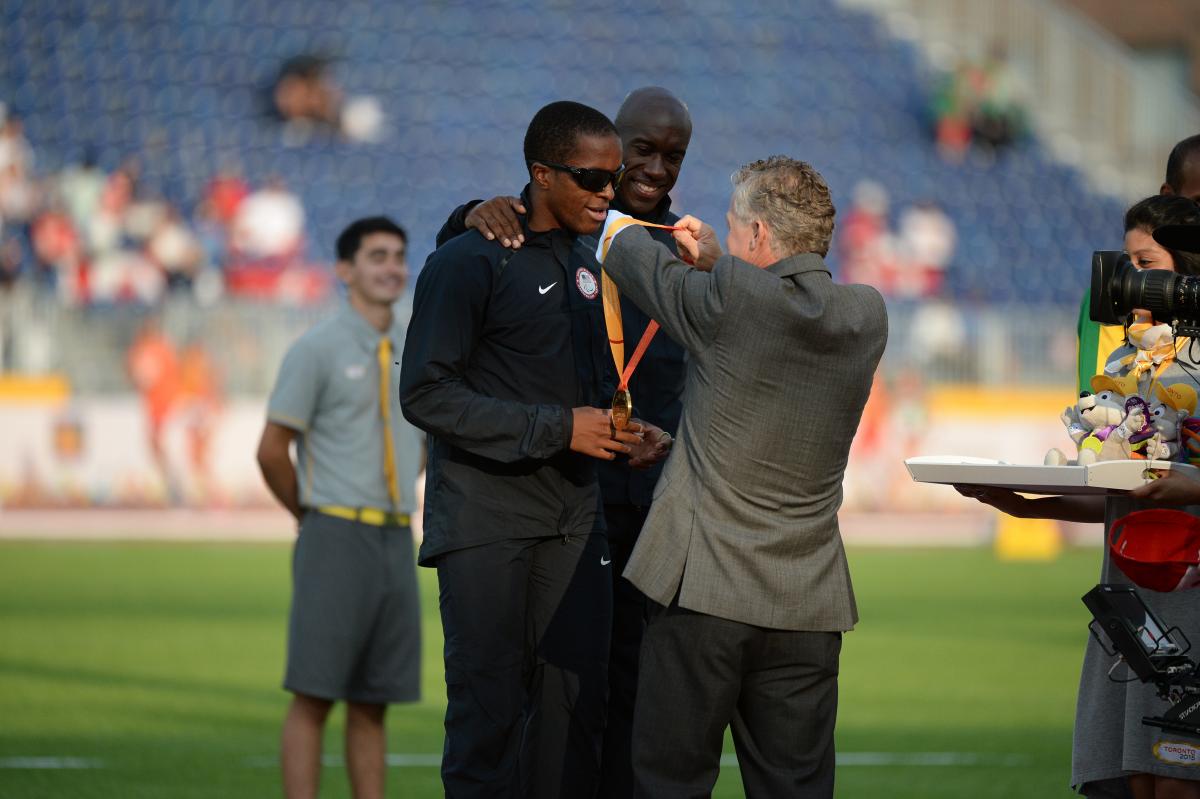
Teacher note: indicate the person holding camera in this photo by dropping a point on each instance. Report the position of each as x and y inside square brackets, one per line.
[1114, 754]
[1096, 341]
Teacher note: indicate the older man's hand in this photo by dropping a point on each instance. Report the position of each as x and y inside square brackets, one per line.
[697, 242]
[655, 446]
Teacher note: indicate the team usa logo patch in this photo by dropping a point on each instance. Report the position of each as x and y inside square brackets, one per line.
[585, 281]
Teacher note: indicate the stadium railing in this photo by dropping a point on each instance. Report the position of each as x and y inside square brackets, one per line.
[942, 343]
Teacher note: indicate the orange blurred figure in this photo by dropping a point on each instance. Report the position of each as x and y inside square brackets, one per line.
[199, 401]
[153, 366]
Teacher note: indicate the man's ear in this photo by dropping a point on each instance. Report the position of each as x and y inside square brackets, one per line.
[758, 237]
[342, 269]
[540, 175]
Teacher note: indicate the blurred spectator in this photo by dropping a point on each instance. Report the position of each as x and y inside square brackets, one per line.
[926, 244]
[57, 248]
[143, 216]
[981, 102]
[269, 224]
[999, 115]
[306, 98]
[15, 152]
[199, 404]
[309, 101]
[80, 187]
[872, 449]
[219, 205]
[910, 421]
[10, 266]
[224, 195]
[865, 242]
[176, 250]
[154, 370]
[951, 107]
[908, 264]
[125, 276]
[18, 192]
[10, 269]
[938, 336]
[98, 238]
[267, 243]
[105, 228]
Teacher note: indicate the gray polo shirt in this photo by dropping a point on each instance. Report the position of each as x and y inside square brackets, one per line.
[328, 391]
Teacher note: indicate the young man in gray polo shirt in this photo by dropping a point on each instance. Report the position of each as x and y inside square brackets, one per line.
[354, 630]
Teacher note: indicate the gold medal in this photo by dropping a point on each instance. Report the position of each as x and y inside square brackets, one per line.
[622, 409]
[622, 402]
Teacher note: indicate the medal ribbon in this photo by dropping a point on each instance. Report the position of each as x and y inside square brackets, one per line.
[1153, 360]
[612, 308]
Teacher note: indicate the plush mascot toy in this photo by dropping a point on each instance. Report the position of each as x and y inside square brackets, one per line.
[1093, 417]
[1173, 407]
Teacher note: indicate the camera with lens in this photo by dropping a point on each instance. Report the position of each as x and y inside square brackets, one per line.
[1156, 654]
[1118, 287]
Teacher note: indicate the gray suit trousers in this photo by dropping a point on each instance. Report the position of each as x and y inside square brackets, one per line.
[701, 673]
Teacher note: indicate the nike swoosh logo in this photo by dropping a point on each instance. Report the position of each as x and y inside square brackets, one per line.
[604, 562]
[544, 290]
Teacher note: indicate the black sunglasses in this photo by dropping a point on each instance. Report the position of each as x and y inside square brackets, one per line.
[589, 179]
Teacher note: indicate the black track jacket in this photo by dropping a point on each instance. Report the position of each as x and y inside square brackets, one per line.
[500, 347]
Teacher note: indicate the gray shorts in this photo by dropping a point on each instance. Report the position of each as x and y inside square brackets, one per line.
[354, 633]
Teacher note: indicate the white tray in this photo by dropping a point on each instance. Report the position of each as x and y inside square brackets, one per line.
[1104, 477]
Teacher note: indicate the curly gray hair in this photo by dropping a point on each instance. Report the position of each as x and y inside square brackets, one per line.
[791, 198]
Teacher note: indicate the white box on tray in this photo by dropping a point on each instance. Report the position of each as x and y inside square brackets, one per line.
[1102, 477]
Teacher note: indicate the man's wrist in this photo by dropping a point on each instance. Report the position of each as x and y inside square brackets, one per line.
[464, 211]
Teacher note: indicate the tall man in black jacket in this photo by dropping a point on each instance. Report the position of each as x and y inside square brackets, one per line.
[503, 361]
[655, 129]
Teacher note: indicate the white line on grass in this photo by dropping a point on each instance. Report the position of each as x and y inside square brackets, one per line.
[924, 759]
[419, 760]
[50, 762]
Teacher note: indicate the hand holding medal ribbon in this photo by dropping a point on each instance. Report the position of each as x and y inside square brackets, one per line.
[622, 402]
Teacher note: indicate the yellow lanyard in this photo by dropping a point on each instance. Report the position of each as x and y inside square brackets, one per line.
[385, 411]
[612, 307]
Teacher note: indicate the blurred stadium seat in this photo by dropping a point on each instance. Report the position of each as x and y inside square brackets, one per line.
[458, 82]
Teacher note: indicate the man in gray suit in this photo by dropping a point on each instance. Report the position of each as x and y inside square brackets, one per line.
[741, 551]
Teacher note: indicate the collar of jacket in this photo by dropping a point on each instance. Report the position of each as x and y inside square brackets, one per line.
[364, 334]
[795, 264]
[557, 240]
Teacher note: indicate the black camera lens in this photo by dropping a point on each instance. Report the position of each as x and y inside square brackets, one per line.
[1118, 287]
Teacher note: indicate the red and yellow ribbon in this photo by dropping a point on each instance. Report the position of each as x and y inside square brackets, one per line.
[612, 306]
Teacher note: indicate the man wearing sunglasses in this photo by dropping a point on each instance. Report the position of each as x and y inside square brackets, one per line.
[655, 129]
[503, 367]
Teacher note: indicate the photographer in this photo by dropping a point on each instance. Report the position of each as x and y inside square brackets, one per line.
[1173, 488]
[1114, 754]
[1096, 341]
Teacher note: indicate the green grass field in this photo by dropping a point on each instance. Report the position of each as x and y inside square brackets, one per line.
[158, 667]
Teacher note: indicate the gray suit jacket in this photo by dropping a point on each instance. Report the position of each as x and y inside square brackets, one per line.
[744, 520]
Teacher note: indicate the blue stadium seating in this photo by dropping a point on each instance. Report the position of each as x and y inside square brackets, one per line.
[459, 82]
